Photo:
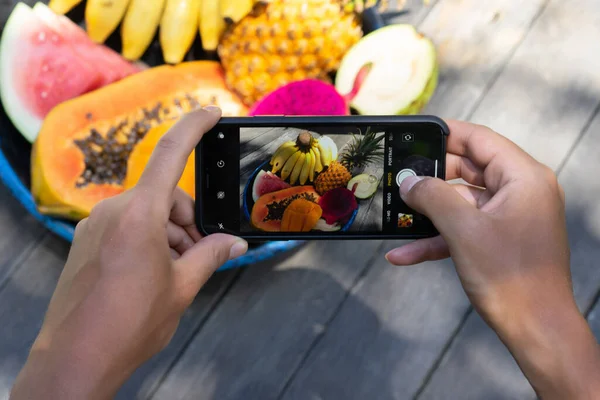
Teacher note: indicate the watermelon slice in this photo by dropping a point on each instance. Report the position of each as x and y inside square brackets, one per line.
[38, 70]
[114, 67]
[46, 60]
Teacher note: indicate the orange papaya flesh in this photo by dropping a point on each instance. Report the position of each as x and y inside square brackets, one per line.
[139, 157]
[267, 212]
[300, 216]
[81, 153]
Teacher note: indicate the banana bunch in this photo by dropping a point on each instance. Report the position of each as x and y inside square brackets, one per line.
[302, 159]
[179, 22]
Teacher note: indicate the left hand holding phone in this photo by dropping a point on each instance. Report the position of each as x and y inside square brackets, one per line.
[136, 263]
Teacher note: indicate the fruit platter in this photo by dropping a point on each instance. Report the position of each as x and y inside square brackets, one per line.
[88, 87]
[308, 184]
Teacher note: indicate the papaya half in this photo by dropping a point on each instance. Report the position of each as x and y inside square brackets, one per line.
[81, 154]
[268, 211]
[139, 157]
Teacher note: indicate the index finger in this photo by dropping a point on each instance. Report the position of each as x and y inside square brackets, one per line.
[168, 160]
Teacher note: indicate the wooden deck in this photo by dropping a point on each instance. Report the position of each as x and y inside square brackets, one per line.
[334, 320]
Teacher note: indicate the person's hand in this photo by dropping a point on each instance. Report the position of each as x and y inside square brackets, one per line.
[507, 237]
[136, 263]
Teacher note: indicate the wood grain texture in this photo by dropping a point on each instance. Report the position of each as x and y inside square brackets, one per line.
[474, 39]
[544, 103]
[546, 94]
[594, 321]
[386, 336]
[23, 303]
[19, 232]
[257, 337]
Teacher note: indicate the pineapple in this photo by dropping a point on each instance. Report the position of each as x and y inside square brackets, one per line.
[335, 176]
[363, 150]
[283, 41]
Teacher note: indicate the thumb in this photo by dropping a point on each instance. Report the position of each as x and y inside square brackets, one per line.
[198, 263]
[437, 200]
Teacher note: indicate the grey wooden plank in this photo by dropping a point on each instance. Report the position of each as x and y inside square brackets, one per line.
[386, 336]
[259, 334]
[19, 231]
[474, 40]
[564, 106]
[594, 320]
[25, 297]
[550, 88]
[23, 303]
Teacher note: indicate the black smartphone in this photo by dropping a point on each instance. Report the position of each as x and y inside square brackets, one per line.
[283, 178]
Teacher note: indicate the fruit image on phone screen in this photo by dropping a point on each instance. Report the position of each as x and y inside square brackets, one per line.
[315, 181]
[321, 179]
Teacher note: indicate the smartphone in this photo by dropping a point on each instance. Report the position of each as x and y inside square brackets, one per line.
[284, 178]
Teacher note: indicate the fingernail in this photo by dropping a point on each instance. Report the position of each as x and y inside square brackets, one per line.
[388, 254]
[408, 184]
[212, 109]
[239, 248]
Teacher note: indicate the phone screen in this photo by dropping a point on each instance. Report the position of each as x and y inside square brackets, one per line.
[321, 180]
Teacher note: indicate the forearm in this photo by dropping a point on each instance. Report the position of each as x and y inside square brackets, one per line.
[53, 375]
[557, 352]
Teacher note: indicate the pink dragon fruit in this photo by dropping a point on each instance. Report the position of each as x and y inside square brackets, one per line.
[305, 97]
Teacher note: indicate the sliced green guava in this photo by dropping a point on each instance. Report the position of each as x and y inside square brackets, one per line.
[402, 73]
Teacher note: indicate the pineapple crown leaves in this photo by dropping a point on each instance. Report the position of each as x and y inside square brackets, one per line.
[363, 150]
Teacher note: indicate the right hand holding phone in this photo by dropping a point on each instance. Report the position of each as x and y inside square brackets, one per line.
[508, 240]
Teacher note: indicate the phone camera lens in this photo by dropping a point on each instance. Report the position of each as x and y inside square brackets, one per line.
[221, 135]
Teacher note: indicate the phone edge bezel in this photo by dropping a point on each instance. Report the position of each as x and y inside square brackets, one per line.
[322, 121]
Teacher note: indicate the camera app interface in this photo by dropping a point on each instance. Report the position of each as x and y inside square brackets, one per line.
[331, 179]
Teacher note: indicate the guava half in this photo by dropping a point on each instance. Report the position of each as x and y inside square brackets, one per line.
[402, 75]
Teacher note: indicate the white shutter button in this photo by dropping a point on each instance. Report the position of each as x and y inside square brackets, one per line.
[402, 175]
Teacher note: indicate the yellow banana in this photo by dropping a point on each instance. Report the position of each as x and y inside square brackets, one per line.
[313, 163]
[318, 164]
[298, 168]
[282, 154]
[325, 154]
[289, 165]
[234, 10]
[212, 25]
[102, 17]
[63, 6]
[329, 144]
[305, 173]
[139, 26]
[178, 28]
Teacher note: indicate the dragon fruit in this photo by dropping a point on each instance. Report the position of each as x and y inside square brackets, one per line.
[305, 97]
[338, 205]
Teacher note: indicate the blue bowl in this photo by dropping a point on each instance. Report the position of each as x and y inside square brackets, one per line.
[248, 202]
